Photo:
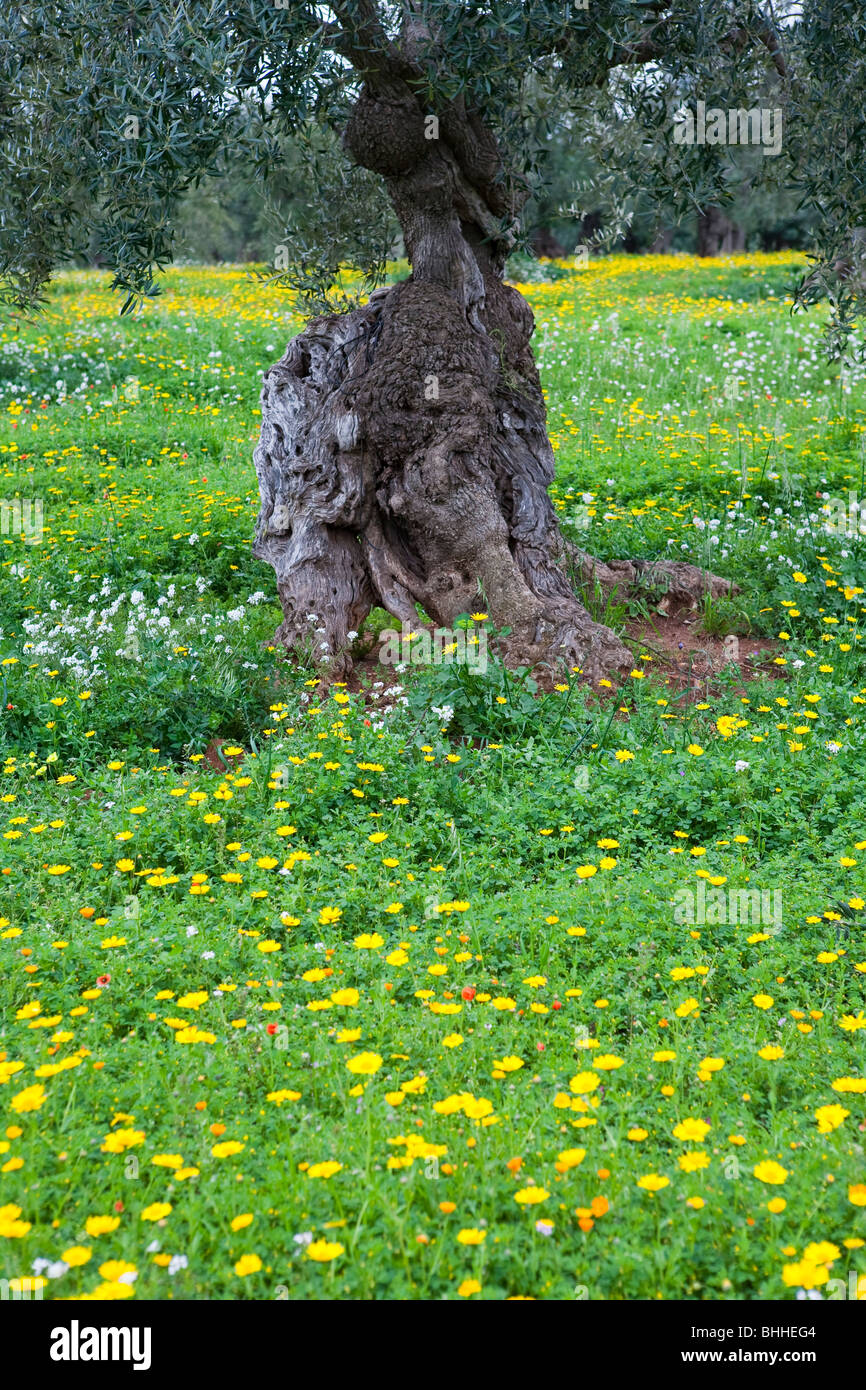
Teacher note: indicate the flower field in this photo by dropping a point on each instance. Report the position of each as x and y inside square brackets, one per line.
[436, 984]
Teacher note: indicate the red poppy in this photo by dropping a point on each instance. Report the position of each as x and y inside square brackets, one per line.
[103, 980]
[271, 1029]
[468, 993]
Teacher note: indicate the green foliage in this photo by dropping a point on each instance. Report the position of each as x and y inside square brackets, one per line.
[331, 217]
[109, 117]
[520, 852]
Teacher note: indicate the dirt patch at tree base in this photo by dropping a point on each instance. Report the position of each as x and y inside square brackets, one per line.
[682, 655]
[693, 660]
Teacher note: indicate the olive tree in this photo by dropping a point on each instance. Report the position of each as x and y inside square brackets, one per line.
[404, 457]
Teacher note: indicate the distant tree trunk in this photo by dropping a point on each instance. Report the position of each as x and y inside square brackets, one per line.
[591, 225]
[404, 456]
[545, 242]
[631, 242]
[851, 265]
[718, 235]
[662, 241]
[847, 273]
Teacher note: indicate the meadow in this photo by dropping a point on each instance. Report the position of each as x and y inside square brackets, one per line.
[437, 984]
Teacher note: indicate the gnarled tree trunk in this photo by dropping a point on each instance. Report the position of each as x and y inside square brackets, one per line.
[404, 456]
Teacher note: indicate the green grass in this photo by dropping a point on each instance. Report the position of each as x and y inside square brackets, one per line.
[532, 847]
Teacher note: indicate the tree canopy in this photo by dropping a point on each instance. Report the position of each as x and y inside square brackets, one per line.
[110, 112]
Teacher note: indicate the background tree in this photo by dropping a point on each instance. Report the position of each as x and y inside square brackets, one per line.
[403, 457]
[233, 218]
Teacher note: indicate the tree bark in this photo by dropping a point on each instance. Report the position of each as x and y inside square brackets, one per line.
[404, 458]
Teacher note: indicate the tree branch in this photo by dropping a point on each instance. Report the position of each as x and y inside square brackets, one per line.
[767, 36]
[646, 48]
[360, 37]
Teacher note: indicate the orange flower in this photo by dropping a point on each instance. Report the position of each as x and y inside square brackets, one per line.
[514, 1165]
